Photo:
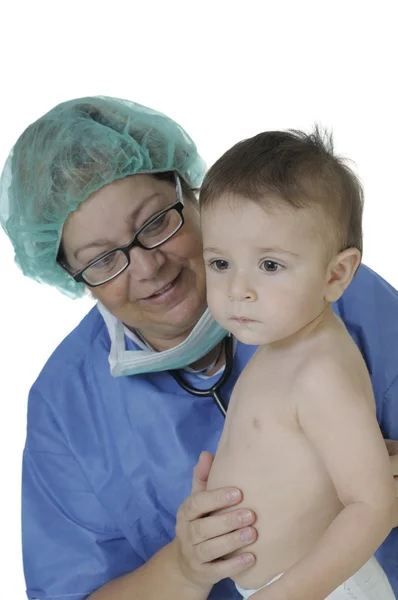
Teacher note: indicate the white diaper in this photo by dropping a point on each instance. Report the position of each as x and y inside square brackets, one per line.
[247, 593]
[369, 583]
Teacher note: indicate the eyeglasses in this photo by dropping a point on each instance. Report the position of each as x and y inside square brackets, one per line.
[160, 228]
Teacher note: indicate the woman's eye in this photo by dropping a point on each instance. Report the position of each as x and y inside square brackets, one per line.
[156, 224]
[219, 265]
[270, 266]
[107, 261]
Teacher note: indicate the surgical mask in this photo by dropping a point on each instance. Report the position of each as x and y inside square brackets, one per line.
[205, 336]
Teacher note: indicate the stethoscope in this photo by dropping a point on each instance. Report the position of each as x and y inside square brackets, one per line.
[214, 390]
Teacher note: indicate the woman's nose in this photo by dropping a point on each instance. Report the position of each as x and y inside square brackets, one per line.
[240, 289]
[145, 264]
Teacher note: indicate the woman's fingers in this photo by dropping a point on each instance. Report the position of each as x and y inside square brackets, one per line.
[215, 548]
[392, 447]
[394, 464]
[201, 472]
[203, 503]
[218, 525]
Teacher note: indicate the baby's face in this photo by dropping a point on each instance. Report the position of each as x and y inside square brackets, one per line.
[265, 271]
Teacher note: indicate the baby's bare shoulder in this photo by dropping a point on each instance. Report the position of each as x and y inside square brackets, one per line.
[334, 367]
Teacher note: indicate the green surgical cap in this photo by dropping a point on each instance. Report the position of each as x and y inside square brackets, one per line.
[66, 155]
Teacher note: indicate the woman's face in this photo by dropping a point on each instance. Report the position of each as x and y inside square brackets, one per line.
[162, 292]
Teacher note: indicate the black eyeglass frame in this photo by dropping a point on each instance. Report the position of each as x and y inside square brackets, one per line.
[126, 249]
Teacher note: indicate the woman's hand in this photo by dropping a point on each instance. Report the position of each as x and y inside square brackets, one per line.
[392, 447]
[205, 539]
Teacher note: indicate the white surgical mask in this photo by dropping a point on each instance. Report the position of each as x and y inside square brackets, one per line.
[205, 336]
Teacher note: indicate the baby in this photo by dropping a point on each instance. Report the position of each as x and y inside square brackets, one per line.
[282, 240]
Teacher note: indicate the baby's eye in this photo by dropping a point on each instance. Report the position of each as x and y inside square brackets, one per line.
[270, 266]
[219, 264]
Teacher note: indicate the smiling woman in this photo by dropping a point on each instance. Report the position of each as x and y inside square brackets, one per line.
[163, 292]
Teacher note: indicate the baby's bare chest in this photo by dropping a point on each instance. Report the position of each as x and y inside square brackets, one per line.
[263, 399]
[263, 436]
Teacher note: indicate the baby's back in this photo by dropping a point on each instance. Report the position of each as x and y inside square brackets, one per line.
[264, 452]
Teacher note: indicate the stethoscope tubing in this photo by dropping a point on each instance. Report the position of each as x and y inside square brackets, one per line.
[213, 391]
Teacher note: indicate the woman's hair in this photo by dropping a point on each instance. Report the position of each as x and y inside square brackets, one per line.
[71, 152]
[189, 192]
[293, 169]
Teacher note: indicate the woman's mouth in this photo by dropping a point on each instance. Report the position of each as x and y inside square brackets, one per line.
[165, 293]
[164, 289]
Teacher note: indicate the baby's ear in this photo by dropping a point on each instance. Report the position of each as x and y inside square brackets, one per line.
[340, 272]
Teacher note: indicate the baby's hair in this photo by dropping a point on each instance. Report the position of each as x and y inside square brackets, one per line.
[292, 169]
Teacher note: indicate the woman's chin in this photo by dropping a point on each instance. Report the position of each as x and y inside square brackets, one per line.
[185, 316]
[173, 328]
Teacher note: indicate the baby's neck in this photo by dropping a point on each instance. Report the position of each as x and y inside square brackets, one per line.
[325, 319]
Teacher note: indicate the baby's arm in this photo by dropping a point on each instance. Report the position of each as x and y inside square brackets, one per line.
[341, 424]
[392, 448]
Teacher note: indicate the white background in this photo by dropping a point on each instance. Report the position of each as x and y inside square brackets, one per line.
[225, 71]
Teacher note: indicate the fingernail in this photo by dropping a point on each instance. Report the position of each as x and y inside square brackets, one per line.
[244, 517]
[232, 495]
[247, 559]
[246, 534]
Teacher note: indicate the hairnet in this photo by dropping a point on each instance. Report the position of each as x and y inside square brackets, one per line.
[66, 155]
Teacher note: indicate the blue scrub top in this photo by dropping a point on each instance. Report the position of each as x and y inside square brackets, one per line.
[108, 461]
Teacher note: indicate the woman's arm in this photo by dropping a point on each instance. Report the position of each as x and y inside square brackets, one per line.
[189, 566]
[81, 549]
[159, 577]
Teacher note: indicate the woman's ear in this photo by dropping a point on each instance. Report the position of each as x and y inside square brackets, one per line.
[340, 272]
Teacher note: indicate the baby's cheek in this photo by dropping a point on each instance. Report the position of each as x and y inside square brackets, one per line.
[211, 303]
[215, 304]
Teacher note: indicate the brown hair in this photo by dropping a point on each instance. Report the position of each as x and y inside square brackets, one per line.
[294, 168]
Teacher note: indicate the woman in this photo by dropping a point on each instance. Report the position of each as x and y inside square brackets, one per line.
[100, 194]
